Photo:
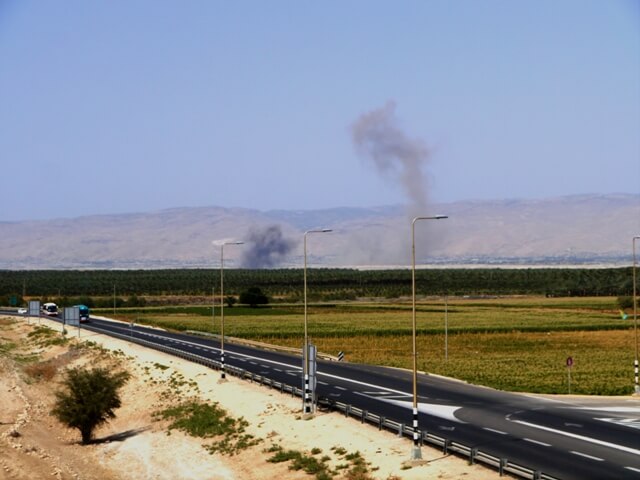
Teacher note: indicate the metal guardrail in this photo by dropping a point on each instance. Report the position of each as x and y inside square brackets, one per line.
[472, 454]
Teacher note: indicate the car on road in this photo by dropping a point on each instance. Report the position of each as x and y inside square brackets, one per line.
[22, 310]
[50, 309]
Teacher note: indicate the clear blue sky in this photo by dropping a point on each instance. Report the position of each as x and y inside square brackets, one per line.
[129, 106]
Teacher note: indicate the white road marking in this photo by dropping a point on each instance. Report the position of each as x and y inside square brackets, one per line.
[591, 457]
[580, 437]
[625, 422]
[442, 411]
[537, 442]
[338, 387]
[611, 409]
[494, 430]
[633, 469]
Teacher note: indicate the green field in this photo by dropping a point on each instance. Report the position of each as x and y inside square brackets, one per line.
[512, 343]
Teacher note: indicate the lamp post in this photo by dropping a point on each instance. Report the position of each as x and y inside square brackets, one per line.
[307, 392]
[222, 372]
[635, 317]
[416, 453]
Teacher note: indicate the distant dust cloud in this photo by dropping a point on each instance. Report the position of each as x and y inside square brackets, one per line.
[267, 247]
[378, 137]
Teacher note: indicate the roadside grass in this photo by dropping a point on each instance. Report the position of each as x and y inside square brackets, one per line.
[43, 336]
[6, 347]
[354, 467]
[511, 343]
[208, 421]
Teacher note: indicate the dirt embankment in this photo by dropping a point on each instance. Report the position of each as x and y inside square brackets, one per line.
[34, 445]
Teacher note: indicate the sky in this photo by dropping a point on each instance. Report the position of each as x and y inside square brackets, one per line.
[132, 106]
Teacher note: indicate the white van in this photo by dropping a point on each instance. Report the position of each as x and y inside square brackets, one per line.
[50, 309]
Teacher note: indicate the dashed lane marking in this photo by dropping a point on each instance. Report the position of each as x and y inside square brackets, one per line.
[495, 431]
[590, 457]
[581, 437]
[537, 442]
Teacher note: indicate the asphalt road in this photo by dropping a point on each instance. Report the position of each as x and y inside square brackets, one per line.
[564, 437]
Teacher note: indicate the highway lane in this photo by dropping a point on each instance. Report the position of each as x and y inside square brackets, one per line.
[563, 439]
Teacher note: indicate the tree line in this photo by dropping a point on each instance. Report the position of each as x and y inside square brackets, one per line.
[323, 283]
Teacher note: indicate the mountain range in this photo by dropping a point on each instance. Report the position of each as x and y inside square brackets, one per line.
[571, 230]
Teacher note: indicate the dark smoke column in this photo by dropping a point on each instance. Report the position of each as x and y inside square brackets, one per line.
[267, 247]
[377, 136]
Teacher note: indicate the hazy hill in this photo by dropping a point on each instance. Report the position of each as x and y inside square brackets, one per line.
[563, 230]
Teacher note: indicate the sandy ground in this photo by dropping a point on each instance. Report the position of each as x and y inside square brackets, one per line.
[33, 445]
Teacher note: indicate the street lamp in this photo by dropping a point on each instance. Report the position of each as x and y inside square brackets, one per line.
[416, 453]
[307, 392]
[222, 372]
[635, 316]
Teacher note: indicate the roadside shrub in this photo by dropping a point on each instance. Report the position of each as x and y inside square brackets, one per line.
[625, 302]
[253, 297]
[88, 399]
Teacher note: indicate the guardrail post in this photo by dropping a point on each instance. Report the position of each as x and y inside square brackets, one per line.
[381, 421]
[363, 416]
[503, 464]
[445, 447]
[401, 430]
[472, 456]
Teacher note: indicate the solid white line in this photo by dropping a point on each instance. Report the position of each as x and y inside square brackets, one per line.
[587, 456]
[537, 442]
[581, 437]
[495, 431]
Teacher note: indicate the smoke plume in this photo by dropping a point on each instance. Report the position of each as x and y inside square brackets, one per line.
[377, 136]
[267, 247]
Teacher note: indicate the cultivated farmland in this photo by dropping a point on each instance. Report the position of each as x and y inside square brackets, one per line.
[511, 343]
